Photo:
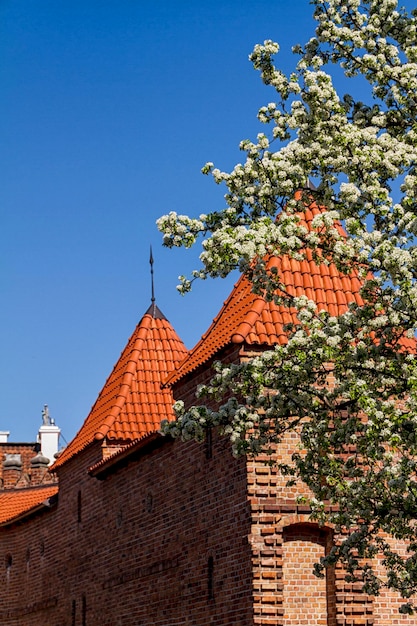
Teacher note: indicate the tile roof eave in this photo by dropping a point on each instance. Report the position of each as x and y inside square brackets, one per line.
[58, 464]
[97, 440]
[101, 469]
[176, 375]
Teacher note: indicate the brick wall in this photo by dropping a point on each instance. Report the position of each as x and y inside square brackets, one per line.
[285, 546]
[304, 596]
[386, 605]
[162, 541]
[179, 534]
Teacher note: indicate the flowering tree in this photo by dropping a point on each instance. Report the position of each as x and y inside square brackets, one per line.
[363, 157]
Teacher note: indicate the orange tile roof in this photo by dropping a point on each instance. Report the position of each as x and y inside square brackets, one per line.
[132, 402]
[247, 318]
[16, 502]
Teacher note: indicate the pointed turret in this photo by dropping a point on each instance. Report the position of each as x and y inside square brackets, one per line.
[132, 403]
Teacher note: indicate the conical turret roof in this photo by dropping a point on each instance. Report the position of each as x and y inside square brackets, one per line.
[132, 403]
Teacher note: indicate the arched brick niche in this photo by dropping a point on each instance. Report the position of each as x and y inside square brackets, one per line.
[307, 600]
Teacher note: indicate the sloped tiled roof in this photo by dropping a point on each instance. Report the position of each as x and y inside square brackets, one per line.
[16, 502]
[132, 402]
[247, 318]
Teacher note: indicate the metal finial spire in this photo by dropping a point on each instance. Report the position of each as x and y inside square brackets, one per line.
[153, 309]
[152, 284]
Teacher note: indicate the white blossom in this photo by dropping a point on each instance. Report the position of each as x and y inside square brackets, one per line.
[363, 157]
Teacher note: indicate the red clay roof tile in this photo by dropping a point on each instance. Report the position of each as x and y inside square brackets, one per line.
[132, 403]
[247, 318]
[15, 502]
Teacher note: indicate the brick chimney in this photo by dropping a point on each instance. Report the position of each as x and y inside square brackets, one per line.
[12, 470]
[38, 468]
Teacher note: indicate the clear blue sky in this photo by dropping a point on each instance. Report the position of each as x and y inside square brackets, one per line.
[108, 110]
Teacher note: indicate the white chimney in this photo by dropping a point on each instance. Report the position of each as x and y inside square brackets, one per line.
[4, 436]
[48, 436]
